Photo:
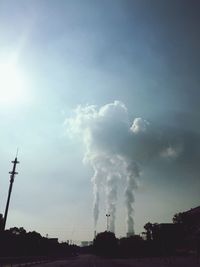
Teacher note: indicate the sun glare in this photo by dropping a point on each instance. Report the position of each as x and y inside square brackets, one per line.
[12, 85]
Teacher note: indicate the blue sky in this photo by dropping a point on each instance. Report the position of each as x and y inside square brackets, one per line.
[69, 53]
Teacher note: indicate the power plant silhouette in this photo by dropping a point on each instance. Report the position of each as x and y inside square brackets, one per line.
[12, 177]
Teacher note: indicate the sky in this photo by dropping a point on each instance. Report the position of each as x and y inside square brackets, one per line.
[102, 100]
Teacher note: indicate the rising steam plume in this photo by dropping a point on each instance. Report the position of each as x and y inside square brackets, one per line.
[115, 148]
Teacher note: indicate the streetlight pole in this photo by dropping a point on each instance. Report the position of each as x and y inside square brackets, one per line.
[12, 176]
[107, 216]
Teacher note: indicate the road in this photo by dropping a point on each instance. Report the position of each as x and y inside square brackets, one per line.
[92, 261]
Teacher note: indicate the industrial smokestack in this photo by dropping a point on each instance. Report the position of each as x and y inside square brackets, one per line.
[129, 234]
[95, 234]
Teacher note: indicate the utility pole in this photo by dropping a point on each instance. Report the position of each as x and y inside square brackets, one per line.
[12, 176]
[107, 215]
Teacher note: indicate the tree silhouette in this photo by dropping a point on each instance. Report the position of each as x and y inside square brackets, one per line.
[178, 218]
[148, 227]
[105, 244]
[19, 243]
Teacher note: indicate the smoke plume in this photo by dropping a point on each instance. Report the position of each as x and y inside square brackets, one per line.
[116, 148]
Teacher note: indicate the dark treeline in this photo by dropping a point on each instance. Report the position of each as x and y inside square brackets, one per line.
[178, 238]
[106, 244]
[16, 242]
[167, 239]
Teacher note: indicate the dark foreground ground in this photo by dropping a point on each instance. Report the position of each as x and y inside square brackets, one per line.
[92, 261]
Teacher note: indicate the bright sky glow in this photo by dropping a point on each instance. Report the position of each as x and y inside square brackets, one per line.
[12, 85]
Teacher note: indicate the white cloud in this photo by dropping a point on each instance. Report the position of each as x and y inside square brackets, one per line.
[139, 125]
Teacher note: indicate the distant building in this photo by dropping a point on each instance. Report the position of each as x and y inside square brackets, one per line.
[86, 243]
[191, 221]
[167, 232]
[193, 212]
[192, 216]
